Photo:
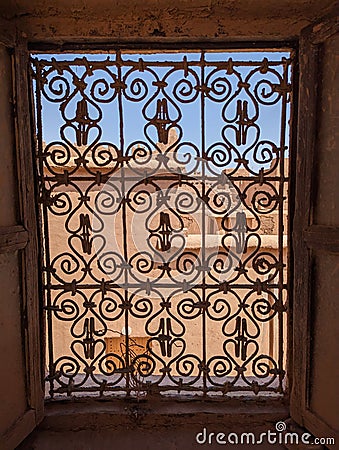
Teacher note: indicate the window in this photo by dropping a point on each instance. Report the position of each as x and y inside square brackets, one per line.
[163, 188]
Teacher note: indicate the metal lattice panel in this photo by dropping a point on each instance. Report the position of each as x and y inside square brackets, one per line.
[163, 186]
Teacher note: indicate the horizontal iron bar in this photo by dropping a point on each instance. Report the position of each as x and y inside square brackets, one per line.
[191, 178]
[215, 287]
[176, 64]
[100, 45]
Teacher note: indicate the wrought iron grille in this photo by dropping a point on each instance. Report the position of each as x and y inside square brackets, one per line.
[163, 186]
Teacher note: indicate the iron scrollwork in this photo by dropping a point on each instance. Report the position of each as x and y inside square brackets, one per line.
[207, 287]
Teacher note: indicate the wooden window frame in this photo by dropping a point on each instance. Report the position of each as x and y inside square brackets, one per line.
[23, 238]
[305, 236]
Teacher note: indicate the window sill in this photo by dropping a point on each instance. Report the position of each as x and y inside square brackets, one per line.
[81, 414]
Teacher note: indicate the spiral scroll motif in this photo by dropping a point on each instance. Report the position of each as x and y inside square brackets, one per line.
[162, 187]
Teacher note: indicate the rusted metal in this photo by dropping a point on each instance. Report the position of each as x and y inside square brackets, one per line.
[81, 291]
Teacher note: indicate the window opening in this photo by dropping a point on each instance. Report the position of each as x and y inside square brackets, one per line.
[163, 193]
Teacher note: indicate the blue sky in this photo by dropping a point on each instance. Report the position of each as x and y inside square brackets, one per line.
[269, 118]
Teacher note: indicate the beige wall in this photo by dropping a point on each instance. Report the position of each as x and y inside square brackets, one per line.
[62, 338]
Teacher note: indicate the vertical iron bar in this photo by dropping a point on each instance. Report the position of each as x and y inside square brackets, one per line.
[124, 224]
[281, 228]
[203, 221]
[46, 250]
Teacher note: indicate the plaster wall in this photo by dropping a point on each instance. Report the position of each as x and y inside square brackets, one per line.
[162, 19]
